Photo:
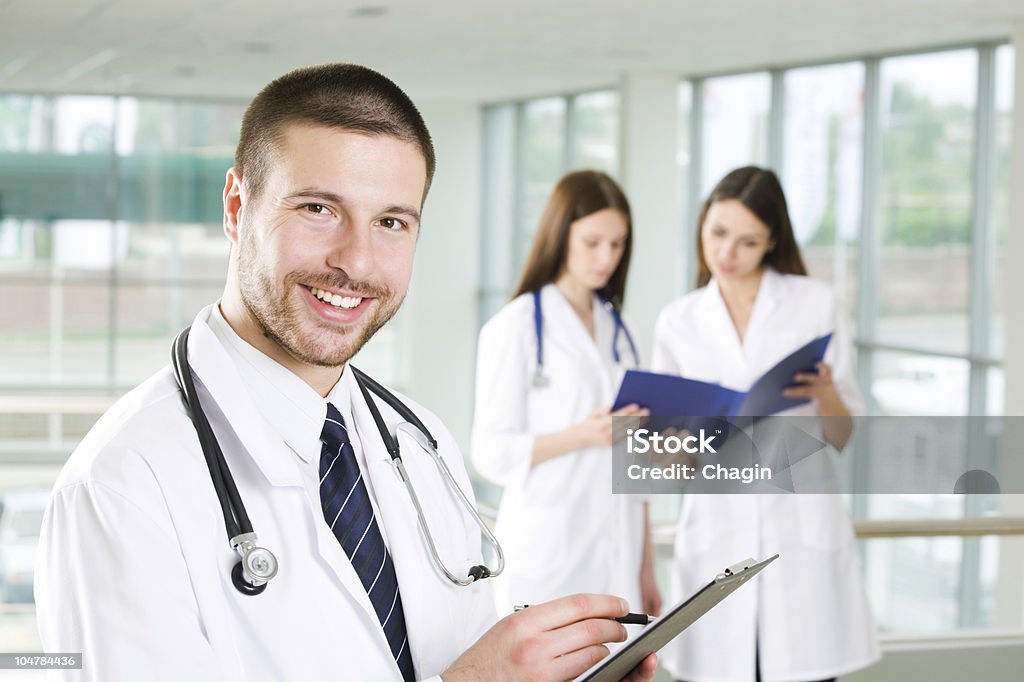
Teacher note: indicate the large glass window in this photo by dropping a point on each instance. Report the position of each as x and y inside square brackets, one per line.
[1003, 131]
[544, 153]
[594, 131]
[110, 241]
[735, 124]
[528, 147]
[822, 164]
[925, 200]
[896, 175]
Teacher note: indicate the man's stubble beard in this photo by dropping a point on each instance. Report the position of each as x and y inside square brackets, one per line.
[277, 317]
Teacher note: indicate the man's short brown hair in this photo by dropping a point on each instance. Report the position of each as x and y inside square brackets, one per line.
[345, 96]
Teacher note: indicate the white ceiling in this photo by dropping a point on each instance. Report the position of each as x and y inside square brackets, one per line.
[462, 49]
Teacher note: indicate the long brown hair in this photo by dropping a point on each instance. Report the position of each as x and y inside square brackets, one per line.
[576, 196]
[760, 191]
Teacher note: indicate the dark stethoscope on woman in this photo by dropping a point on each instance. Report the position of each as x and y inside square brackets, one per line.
[540, 380]
[258, 564]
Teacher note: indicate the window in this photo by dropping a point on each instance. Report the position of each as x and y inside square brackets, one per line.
[735, 125]
[896, 174]
[822, 159]
[528, 147]
[924, 210]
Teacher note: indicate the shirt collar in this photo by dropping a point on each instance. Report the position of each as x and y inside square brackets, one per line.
[292, 408]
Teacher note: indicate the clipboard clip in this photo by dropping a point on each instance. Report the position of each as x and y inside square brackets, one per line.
[738, 567]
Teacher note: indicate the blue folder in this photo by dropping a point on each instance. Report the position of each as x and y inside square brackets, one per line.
[668, 395]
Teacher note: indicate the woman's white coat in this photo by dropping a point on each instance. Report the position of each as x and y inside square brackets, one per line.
[809, 609]
[562, 528]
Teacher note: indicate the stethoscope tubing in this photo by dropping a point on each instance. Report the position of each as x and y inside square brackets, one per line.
[258, 564]
[540, 380]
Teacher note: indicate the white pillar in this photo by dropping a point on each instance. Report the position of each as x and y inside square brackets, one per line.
[438, 329]
[1009, 593]
[652, 183]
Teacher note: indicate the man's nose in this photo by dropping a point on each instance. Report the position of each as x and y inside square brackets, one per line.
[352, 251]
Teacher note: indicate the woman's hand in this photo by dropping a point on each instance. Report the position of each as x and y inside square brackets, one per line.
[596, 429]
[820, 388]
[817, 386]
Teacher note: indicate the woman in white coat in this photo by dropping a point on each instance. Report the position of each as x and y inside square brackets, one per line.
[548, 366]
[808, 618]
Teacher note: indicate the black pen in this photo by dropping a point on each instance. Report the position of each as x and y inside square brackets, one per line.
[628, 619]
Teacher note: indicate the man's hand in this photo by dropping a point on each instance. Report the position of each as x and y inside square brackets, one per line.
[550, 642]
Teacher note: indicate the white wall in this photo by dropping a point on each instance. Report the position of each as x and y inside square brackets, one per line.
[438, 323]
[652, 183]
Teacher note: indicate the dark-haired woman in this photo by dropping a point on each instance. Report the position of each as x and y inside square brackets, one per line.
[808, 617]
[548, 365]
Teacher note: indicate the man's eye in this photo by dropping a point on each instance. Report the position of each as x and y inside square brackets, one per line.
[318, 209]
[392, 223]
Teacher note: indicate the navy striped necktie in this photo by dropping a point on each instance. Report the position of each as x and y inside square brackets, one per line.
[347, 510]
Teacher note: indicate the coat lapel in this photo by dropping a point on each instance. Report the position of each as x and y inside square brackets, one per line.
[713, 312]
[215, 371]
[766, 301]
[424, 591]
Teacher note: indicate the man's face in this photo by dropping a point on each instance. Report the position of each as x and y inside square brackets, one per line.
[325, 252]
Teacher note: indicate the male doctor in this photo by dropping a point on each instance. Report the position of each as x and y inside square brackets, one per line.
[322, 209]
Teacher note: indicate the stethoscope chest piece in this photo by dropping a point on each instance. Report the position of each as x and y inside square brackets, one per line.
[540, 380]
[256, 567]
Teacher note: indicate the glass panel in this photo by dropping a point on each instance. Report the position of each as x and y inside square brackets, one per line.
[23, 493]
[174, 252]
[1001, 191]
[822, 168]
[735, 124]
[934, 585]
[497, 233]
[173, 156]
[24, 123]
[908, 384]
[542, 164]
[148, 317]
[83, 125]
[927, 128]
[595, 133]
[995, 401]
[54, 334]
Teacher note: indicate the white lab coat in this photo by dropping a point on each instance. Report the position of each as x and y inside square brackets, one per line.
[562, 528]
[809, 608]
[134, 565]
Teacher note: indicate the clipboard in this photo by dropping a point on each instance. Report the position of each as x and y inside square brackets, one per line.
[666, 628]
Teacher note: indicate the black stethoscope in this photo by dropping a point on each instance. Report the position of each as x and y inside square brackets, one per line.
[258, 564]
[540, 380]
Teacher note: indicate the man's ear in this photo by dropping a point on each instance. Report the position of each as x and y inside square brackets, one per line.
[234, 197]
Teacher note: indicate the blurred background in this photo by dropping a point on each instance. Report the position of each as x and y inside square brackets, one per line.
[890, 123]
